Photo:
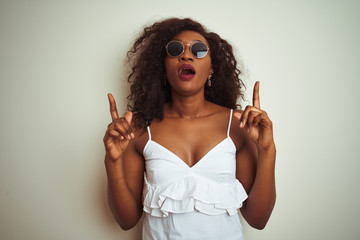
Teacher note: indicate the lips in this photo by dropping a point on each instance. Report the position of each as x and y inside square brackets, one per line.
[186, 72]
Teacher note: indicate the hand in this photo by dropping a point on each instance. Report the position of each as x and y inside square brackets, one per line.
[257, 122]
[118, 133]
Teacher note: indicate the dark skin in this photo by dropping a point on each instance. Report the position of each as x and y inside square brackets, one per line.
[190, 118]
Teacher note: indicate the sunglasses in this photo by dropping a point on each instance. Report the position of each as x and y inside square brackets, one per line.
[176, 48]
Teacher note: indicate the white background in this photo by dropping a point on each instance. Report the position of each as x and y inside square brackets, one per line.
[59, 59]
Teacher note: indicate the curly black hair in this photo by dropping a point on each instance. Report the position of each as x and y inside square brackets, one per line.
[149, 91]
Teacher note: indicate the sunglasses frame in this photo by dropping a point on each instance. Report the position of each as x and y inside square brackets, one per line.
[187, 44]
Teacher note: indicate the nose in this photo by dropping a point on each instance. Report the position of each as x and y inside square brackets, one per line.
[186, 56]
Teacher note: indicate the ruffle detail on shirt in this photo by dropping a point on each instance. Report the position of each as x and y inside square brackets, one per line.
[191, 193]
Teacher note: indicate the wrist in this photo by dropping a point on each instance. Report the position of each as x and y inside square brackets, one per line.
[114, 168]
[267, 149]
[267, 153]
[112, 157]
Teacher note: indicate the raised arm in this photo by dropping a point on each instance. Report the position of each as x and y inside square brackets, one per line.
[124, 168]
[256, 163]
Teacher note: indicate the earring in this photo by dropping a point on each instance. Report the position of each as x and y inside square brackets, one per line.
[209, 80]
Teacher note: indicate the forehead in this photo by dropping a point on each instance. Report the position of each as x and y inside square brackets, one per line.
[189, 36]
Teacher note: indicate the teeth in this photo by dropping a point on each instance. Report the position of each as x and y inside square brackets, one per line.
[187, 71]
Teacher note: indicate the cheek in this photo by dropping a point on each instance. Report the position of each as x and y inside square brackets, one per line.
[167, 63]
[170, 67]
[206, 67]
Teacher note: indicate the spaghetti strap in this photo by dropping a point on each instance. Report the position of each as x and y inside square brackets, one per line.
[228, 131]
[148, 130]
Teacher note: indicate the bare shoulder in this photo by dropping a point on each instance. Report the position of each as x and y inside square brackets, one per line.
[238, 111]
[218, 110]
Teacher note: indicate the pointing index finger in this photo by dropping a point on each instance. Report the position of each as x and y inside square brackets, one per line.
[113, 110]
[256, 96]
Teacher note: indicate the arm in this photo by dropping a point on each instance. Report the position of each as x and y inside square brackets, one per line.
[256, 163]
[124, 168]
[255, 170]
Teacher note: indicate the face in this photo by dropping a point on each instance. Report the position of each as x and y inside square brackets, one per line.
[185, 73]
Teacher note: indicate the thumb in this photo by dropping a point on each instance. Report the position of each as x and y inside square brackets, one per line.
[128, 116]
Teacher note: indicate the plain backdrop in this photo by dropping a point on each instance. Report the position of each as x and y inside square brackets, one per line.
[59, 59]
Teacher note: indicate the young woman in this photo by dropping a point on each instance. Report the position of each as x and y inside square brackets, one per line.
[184, 155]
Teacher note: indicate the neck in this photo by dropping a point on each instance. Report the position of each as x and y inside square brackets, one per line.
[187, 107]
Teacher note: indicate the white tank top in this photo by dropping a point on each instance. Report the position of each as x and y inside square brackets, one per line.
[198, 202]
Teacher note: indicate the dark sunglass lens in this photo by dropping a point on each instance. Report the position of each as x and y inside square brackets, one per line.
[199, 49]
[175, 49]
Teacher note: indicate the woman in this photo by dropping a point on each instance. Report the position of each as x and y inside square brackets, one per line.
[183, 154]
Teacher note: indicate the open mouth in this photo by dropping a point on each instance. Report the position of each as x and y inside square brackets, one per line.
[186, 71]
